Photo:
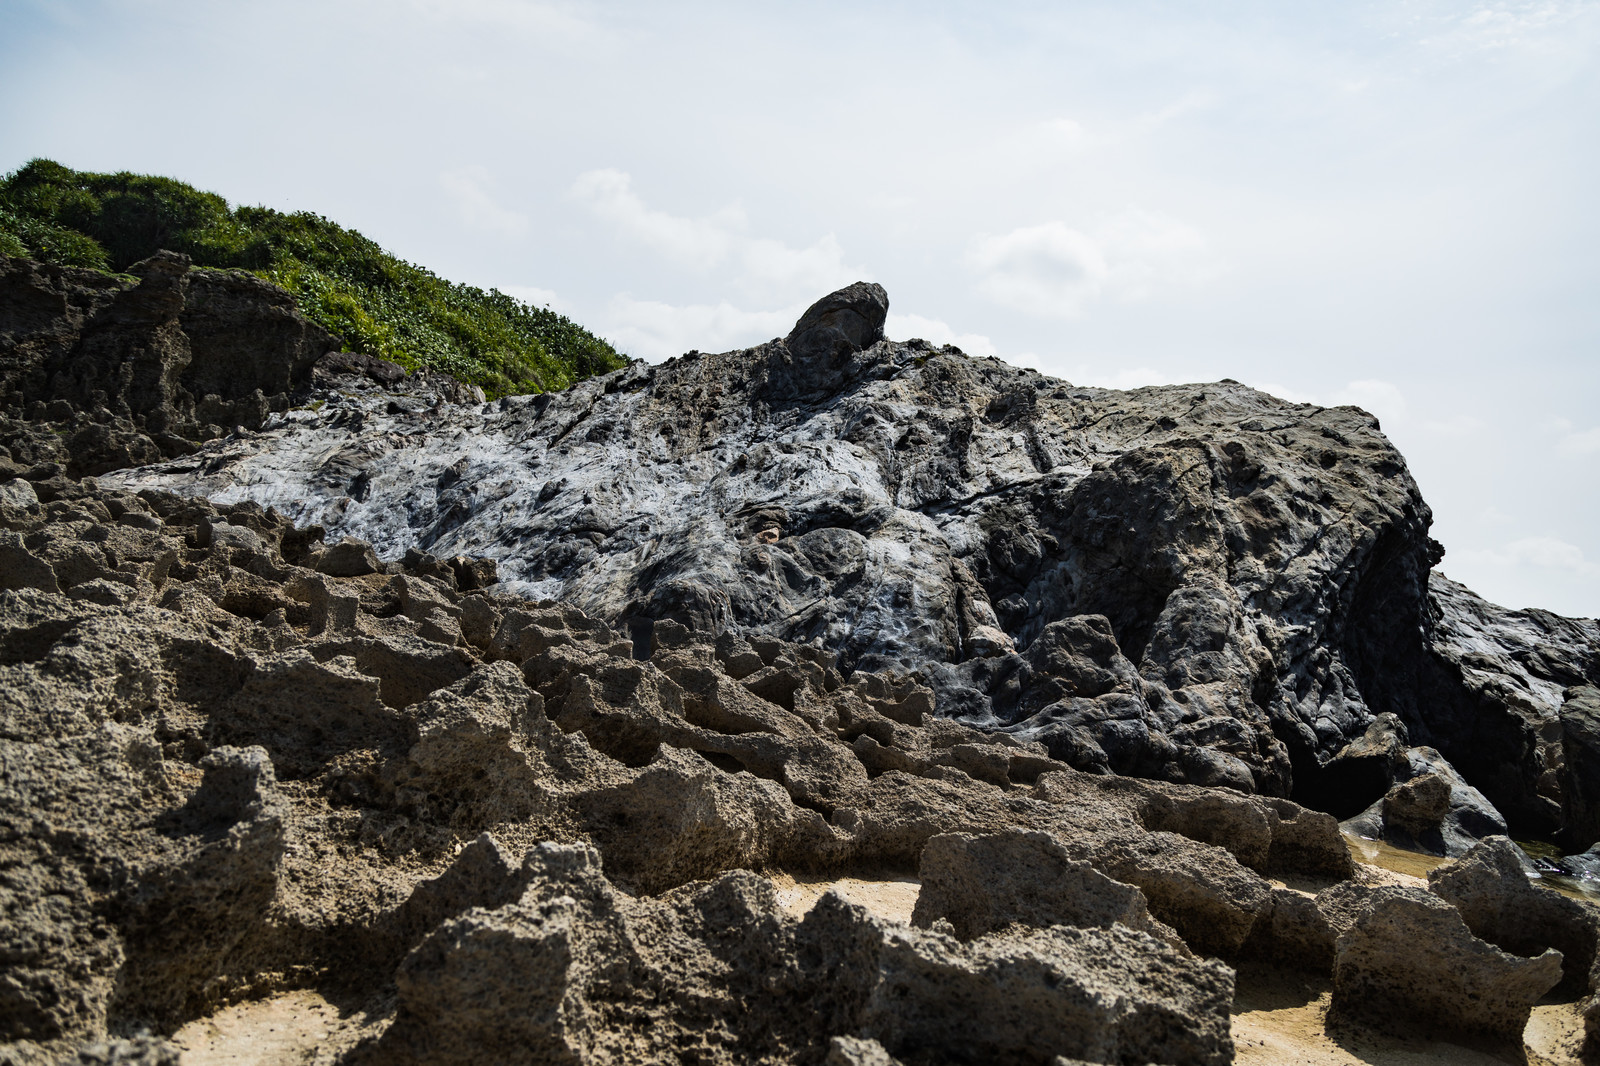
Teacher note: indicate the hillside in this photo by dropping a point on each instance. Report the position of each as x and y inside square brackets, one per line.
[373, 302]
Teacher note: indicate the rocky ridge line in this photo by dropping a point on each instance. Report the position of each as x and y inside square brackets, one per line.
[1199, 584]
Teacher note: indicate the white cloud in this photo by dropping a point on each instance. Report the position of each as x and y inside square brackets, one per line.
[528, 294]
[654, 330]
[1133, 377]
[935, 331]
[1056, 270]
[1507, 26]
[523, 16]
[1146, 249]
[1585, 442]
[1543, 553]
[469, 187]
[1283, 392]
[1382, 398]
[1049, 269]
[1462, 425]
[762, 266]
[693, 242]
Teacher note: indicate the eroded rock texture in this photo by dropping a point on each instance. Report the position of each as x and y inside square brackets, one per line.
[227, 772]
[100, 372]
[1196, 583]
[840, 604]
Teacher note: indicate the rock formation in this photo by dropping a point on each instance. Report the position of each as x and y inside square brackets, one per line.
[229, 772]
[320, 720]
[1195, 583]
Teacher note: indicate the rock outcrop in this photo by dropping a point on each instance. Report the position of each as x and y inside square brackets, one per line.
[1200, 584]
[99, 372]
[841, 604]
[229, 772]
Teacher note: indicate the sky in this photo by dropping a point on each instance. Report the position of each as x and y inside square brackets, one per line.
[1387, 204]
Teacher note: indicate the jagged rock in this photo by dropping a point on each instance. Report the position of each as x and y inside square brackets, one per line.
[1417, 805]
[469, 765]
[348, 558]
[1131, 547]
[21, 569]
[1490, 887]
[1580, 749]
[841, 323]
[539, 980]
[306, 711]
[1409, 961]
[682, 819]
[980, 885]
[1028, 997]
[179, 919]
[854, 1051]
[1432, 809]
[1201, 891]
[132, 372]
[770, 683]
[1492, 702]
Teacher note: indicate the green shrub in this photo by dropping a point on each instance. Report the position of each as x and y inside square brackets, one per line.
[372, 301]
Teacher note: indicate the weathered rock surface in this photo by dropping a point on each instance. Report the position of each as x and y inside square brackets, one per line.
[553, 976]
[982, 884]
[228, 772]
[1431, 809]
[1495, 702]
[1201, 584]
[1409, 961]
[98, 372]
[1491, 890]
[843, 604]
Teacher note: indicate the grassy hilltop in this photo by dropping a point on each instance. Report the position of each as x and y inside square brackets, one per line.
[374, 302]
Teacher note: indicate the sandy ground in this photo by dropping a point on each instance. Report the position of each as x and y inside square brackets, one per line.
[891, 897]
[292, 1029]
[1279, 1016]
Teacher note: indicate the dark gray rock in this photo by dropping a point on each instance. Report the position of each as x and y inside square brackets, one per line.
[1580, 749]
[1431, 809]
[840, 323]
[1492, 700]
[1104, 573]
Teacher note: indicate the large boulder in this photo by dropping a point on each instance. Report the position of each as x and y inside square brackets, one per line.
[982, 884]
[1408, 961]
[1491, 889]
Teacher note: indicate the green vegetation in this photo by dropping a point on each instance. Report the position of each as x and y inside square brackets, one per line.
[372, 301]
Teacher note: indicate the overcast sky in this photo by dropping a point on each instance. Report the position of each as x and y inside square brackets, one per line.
[1390, 204]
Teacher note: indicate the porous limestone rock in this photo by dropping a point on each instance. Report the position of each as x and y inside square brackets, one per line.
[574, 971]
[1491, 889]
[239, 758]
[1408, 961]
[982, 884]
[240, 775]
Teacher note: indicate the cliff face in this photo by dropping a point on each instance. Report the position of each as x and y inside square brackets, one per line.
[1201, 583]
[97, 372]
